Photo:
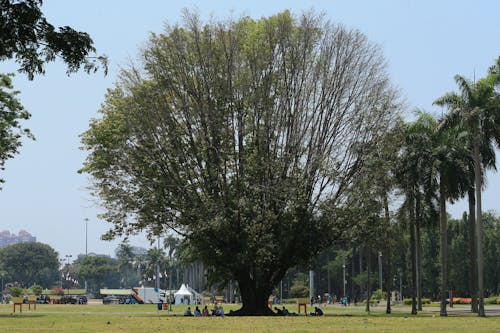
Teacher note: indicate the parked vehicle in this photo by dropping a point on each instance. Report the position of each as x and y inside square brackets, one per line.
[43, 299]
[111, 300]
[74, 299]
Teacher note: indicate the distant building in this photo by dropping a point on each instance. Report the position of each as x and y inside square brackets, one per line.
[6, 238]
[91, 254]
[137, 251]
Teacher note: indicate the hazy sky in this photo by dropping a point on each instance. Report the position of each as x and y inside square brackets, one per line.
[425, 43]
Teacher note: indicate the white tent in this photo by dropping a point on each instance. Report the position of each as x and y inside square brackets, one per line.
[183, 295]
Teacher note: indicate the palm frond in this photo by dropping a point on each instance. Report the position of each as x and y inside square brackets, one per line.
[466, 87]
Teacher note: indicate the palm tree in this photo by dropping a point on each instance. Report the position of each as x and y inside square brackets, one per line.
[450, 159]
[477, 107]
[414, 157]
[431, 160]
[125, 256]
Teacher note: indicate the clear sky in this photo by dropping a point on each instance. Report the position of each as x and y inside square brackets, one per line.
[425, 42]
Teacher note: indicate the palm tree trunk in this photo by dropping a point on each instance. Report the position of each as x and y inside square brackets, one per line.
[479, 225]
[472, 249]
[413, 255]
[444, 241]
[418, 250]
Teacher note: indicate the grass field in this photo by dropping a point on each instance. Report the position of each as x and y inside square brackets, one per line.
[146, 318]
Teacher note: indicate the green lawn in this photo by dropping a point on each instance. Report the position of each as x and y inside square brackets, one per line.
[146, 318]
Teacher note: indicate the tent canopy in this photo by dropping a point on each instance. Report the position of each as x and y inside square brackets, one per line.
[183, 291]
[183, 295]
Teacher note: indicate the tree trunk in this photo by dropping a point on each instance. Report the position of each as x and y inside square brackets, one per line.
[254, 299]
[413, 256]
[444, 245]
[328, 273]
[388, 283]
[418, 250]
[360, 256]
[353, 273]
[479, 225]
[368, 280]
[472, 249]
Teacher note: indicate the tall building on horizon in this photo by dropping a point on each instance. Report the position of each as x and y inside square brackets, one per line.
[7, 238]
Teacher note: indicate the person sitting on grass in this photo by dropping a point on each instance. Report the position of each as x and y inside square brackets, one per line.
[204, 312]
[279, 312]
[218, 311]
[197, 312]
[317, 312]
[188, 312]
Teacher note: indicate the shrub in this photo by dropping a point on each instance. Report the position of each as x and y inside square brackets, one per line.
[377, 295]
[299, 290]
[16, 291]
[37, 289]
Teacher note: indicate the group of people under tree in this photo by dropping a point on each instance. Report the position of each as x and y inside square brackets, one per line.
[217, 311]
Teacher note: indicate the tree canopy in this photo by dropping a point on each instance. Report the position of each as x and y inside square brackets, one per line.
[31, 41]
[98, 271]
[29, 263]
[236, 134]
[11, 113]
[27, 37]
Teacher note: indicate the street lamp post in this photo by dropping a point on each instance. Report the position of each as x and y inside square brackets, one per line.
[86, 234]
[67, 258]
[86, 243]
[400, 286]
[380, 269]
[343, 273]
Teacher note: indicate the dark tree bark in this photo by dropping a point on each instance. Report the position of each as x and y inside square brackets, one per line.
[413, 254]
[479, 225]
[444, 246]
[368, 277]
[418, 248]
[472, 249]
[388, 280]
[254, 298]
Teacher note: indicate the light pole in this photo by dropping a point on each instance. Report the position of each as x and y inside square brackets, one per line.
[86, 234]
[67, 258]
[380, 269]
[400, 286]
[343, 273]
[86, 238]
[158, 271]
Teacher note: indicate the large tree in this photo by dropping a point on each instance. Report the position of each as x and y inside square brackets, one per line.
[233, 134]
[30, 263]
[98, 271]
